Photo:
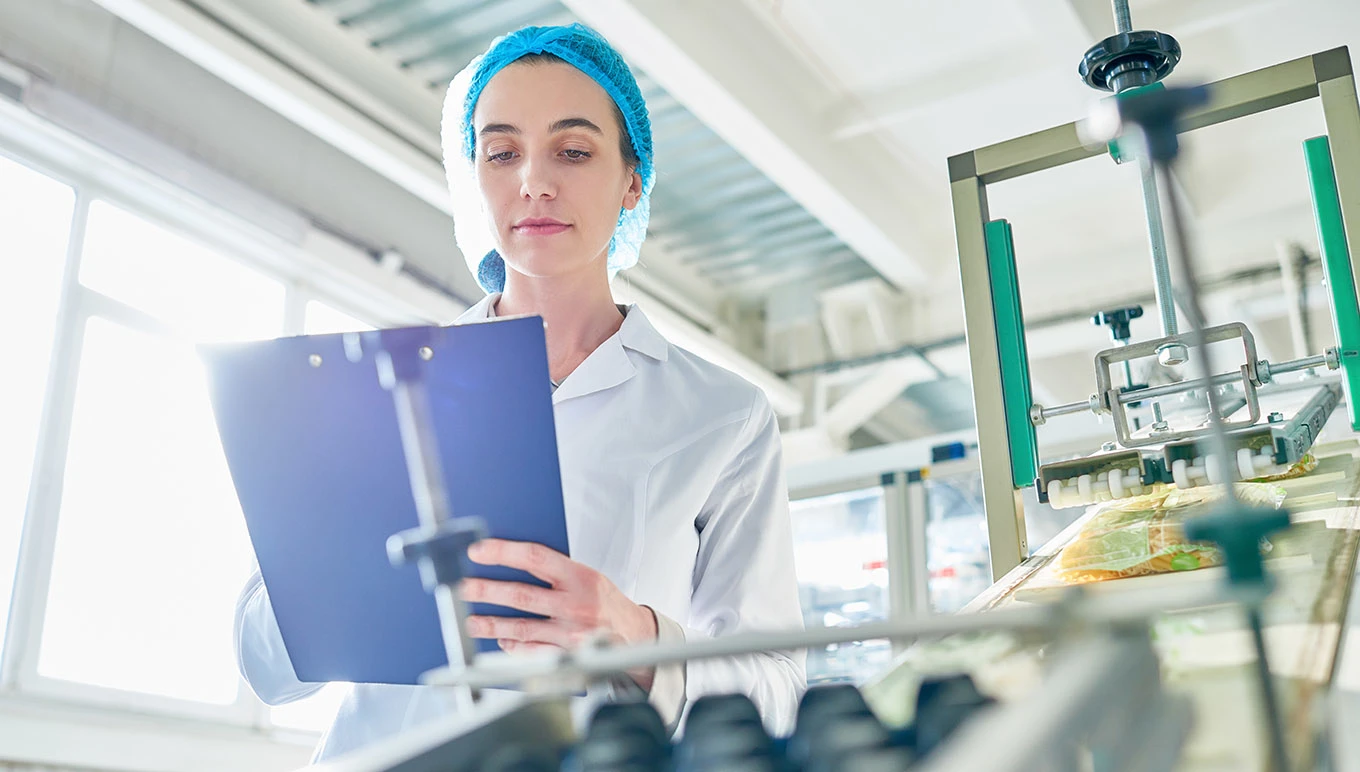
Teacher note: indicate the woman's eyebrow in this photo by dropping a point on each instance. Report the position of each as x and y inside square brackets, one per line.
[498, 128]
[574, 123]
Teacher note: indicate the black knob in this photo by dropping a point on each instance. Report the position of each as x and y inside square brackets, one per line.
[1129, 59]
[624, 717]
[1118, 321]
[721, 708]
[942, 705]
[824, 702]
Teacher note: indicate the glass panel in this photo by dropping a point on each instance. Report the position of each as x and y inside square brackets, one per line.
[35, 218]
[321, 319]
[151, 548]
[840, 551]
[312, 714]
[205, 295]
[956, 539]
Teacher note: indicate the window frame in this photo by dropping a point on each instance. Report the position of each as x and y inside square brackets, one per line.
[313, 266]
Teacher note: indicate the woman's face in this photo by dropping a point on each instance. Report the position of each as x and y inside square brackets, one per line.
[550, 168]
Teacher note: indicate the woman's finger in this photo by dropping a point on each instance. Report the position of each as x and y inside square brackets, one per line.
[547, 564]
[516, 595]
[518, 629]
[527, 647]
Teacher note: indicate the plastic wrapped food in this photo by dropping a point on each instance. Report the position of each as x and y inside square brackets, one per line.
[1300, 468]
[1145, 535]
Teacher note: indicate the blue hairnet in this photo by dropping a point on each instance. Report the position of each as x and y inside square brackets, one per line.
[587, 51]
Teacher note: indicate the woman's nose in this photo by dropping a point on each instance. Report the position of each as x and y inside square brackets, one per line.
[536, 180]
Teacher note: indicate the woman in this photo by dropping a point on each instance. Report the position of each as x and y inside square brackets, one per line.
[675, 500]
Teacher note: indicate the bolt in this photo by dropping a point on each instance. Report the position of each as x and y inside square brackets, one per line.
[1173, 354]
[1107, 447]
[1159, 424]
[1276, 417]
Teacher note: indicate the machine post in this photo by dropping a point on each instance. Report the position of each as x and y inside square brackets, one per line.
[1005, 512]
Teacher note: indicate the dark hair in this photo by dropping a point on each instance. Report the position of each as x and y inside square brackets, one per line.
[630, 156]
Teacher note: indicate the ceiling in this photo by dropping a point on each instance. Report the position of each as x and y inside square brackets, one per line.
[715, 216]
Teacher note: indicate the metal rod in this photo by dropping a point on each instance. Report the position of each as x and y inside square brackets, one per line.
[1161, 269]
[1122, 21]
[415, 421]
[1068, 409]
[1190, 304]
[1295, 365]
[1274, 723]
[1176, 388]
[1132, 609]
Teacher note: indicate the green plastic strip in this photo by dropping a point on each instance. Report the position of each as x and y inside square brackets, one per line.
[1010, 344]
[1336, 264]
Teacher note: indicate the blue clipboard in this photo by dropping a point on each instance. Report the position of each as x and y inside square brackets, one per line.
[315, 454]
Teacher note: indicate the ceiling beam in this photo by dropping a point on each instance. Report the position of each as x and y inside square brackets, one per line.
[742, 80]
[246, 66]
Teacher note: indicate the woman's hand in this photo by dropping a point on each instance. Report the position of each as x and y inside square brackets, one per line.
[578, 603]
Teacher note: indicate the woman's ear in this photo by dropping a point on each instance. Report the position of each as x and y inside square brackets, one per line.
[633, 194]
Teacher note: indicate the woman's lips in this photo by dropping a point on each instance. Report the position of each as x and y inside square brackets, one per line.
[540, 227]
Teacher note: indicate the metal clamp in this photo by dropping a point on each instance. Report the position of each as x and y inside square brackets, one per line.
[1113, 399]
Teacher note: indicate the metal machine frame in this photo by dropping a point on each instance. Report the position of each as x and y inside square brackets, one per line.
[1001, 390]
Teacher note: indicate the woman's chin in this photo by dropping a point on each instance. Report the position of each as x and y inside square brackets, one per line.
[546, 266]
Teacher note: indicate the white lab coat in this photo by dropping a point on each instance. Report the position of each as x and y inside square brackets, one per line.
[673, 486]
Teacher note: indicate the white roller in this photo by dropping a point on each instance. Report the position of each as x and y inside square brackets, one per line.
[1055, 494]
[1211, 469]
[1264, 461]
[1180, 473]
[1117, 484]
[1246, 467]
[1084, 489]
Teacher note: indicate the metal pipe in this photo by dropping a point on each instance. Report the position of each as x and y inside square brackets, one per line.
[587, 661]
[1161, 268]
[1135, 608]
[1122, 21]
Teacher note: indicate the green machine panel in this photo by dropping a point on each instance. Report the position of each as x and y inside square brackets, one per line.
[1336, 264]
[1010, 344]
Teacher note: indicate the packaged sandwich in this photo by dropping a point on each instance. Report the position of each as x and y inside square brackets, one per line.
[1146, 535]
[1300, 468]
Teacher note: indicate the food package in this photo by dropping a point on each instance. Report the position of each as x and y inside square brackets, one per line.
[1145, 535]
[1300, 468]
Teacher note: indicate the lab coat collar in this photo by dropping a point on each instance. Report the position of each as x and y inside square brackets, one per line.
[608, 365]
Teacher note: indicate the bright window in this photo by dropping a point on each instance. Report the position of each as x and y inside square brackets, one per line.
[321, 318]
[35, 218]
[151, 545]
[205, 295]
[151, 548]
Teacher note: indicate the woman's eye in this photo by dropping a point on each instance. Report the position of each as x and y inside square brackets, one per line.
[576, 155]
[500, 157]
